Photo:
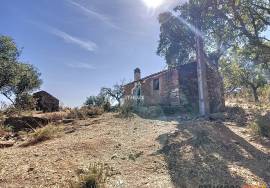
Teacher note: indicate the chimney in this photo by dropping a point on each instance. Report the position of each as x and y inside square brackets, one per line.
[137, 74]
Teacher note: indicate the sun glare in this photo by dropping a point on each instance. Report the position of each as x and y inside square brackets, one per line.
[153, 3]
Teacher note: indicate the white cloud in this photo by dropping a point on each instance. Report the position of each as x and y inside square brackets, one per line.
[87, 45]
[81, 66]
[93, 13]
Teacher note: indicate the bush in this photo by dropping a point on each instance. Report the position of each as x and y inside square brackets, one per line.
[106, 106]
[261, 126]
[94, 176]
[25, 102]
[42, 134]
[84, 112]
[126, 110]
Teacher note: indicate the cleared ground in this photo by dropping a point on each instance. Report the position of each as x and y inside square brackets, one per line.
[142, 153]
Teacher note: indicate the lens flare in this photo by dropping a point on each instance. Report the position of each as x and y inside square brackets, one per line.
[153, 3]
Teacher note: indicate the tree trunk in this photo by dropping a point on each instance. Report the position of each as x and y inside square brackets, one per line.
[13, 103]
[255, 93]
[202, 77]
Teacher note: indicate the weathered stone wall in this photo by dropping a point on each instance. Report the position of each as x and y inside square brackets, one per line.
[168, 93]
[179, 87]
[188, 80]
[46, 102]
[215, 90]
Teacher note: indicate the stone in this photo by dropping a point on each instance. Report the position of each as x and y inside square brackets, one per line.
[114, 156]
[6, 144]
[217, 116]
[66, 121]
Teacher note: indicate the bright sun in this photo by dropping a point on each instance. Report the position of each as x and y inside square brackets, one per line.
[153, 3]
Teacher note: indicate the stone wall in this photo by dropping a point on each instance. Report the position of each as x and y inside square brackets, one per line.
[179, 87]
[215, 90]
[188, 80]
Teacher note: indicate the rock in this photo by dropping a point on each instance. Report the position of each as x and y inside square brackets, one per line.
[69, 130]
[30, 169]
[217, 116]
[3, 133]
[66, 121]
[6, 144]
[114, 156]
[25, 123]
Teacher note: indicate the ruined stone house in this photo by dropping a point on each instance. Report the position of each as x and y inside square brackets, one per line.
[46, 102]
[176, 87]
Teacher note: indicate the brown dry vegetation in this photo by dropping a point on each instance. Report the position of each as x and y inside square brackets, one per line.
[166, 152]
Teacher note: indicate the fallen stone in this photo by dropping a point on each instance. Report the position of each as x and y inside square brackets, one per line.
[6, 144]
[69, 130]
[66, 121]
[217, 116]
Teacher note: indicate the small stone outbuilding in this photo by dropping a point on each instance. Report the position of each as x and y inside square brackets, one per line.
[46, 102]
[176, 87]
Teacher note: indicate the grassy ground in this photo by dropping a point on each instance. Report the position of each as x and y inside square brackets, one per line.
[145, 153]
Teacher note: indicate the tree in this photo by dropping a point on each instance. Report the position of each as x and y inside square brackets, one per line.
[98, 100]
[9, 54]
[16, 79]
[223, 25]
[240, 70]
[115, 93]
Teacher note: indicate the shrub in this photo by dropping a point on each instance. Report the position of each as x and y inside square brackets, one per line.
[125, 111]
[261, 126]
[42, 134]
[94, 176]
[84, 112]
[25, 102]
[106, 106]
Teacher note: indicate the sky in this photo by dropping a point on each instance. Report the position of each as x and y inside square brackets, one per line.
[80, 46]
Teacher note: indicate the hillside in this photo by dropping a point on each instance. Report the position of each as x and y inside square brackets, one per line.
[142, 153]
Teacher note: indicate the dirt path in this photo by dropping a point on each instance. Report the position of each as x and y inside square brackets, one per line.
[143, 153]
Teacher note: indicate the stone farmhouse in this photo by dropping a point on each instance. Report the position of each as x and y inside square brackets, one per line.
[176, 87]
[46, 102]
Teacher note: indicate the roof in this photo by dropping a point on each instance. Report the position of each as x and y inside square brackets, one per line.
[158, 73]
[42, 93]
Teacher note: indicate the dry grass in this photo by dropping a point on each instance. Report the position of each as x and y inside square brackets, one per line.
[94, 176]
[42, 134]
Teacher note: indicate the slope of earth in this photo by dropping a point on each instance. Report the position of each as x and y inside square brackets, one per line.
[142, 153]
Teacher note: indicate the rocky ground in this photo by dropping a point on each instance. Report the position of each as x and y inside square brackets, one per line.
[169, 152]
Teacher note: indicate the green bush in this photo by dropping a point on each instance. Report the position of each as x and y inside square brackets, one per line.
[126, 110]
[261, 126]
[85, 112]
[25, 102]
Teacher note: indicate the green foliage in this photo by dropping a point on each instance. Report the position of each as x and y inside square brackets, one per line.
[222, 25]
[126, 110]
[261, 126]
[240, 70]
[85, 112]
[25, 102]
[98, 101]
[17, 79]
[115, 93]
